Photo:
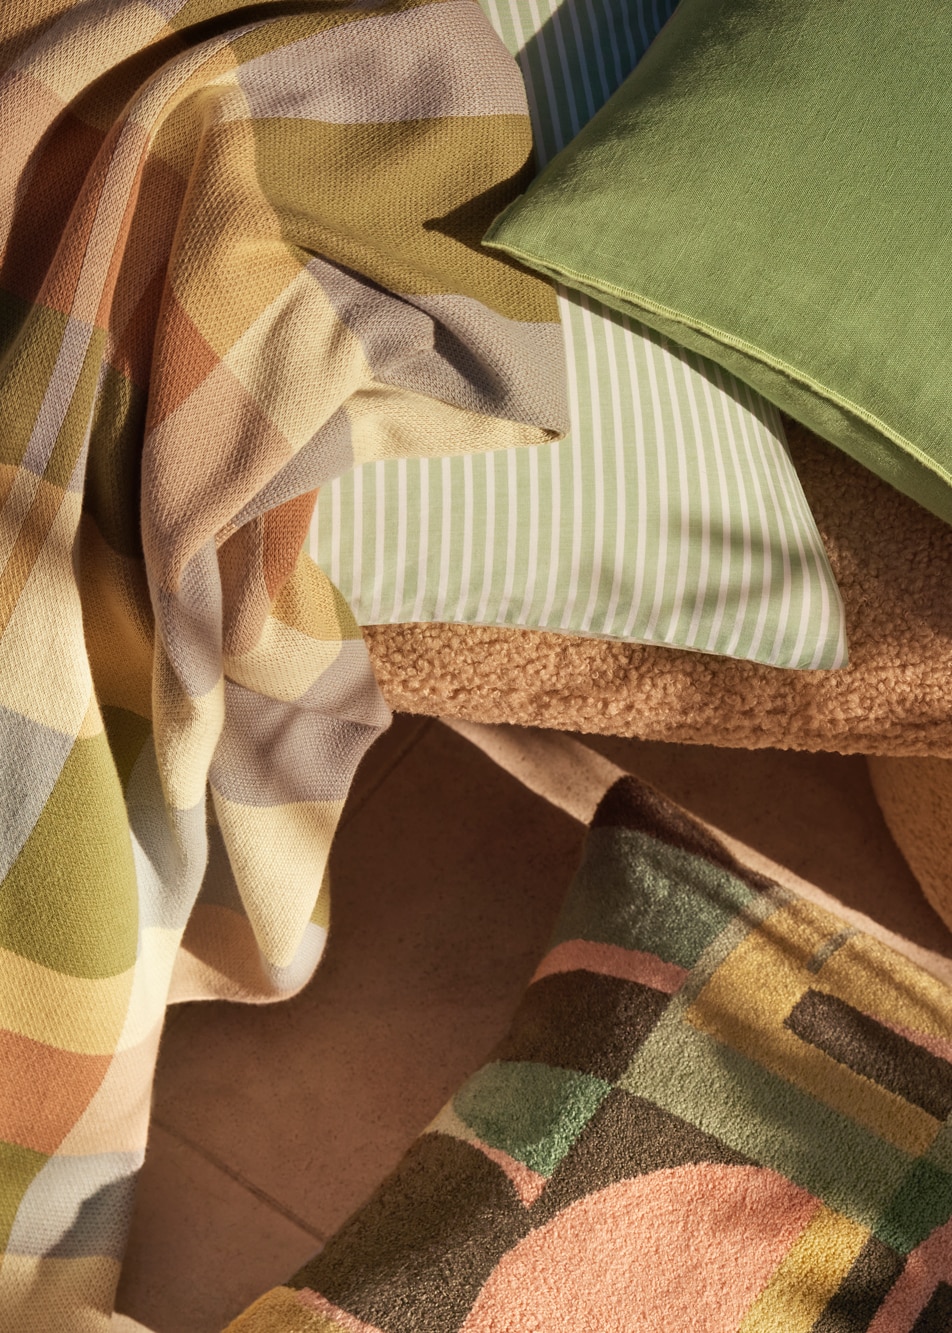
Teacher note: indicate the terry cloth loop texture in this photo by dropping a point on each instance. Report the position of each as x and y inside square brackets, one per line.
[227, 235]
[718, 1109]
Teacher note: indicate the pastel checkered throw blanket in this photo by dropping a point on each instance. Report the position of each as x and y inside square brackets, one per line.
[238, 254]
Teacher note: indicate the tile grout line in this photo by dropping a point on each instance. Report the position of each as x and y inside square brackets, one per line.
[241, 1180]
[381, 778]
[275, 1204]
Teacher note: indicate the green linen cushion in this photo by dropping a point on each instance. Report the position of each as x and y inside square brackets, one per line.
[770, 187]
[719, 1109]
[671, 514]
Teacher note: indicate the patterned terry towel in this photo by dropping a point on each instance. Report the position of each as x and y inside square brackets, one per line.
[238, 253]
[719, 1109]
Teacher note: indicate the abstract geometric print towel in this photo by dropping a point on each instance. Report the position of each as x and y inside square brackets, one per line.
[718, 1109]
[238, 253]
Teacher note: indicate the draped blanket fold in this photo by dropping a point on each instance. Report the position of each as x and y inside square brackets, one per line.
[238, 254]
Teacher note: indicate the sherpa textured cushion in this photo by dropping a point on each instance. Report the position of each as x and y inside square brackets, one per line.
[893, 563]
[719, 1109]
[770, 187]
[671, 513]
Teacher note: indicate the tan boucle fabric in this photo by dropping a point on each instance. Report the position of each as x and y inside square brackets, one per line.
[915, 796]
[893, 562]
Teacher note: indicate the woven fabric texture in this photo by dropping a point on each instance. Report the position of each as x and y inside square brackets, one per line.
[718, 1109]
[770, 188]
[239, 254]
[671, 514]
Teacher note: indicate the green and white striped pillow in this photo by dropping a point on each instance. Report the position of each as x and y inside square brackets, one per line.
[670, 514]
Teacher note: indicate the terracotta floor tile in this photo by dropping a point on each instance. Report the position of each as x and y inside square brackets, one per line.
[384, 755]
[202, 1246]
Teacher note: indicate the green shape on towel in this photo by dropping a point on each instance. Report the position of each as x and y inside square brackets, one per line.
[533, 1112]
[770, 1120]
[639, 892]
[922, 1203]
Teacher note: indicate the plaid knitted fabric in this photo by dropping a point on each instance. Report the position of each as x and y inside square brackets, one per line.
[238, 254]
[719, 1109]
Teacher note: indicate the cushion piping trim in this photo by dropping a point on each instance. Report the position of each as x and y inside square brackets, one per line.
[731, 340]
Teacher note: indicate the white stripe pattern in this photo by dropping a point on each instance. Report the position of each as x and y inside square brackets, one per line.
[671, 513]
